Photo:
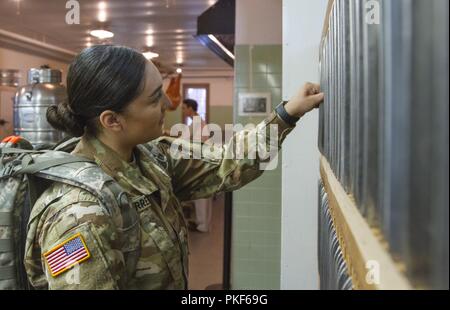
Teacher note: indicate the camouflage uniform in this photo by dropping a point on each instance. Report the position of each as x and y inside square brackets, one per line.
[155, 183]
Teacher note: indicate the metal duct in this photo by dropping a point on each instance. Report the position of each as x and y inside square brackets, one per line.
[216, 29]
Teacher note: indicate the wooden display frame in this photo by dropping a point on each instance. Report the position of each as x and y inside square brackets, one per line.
[363, 247]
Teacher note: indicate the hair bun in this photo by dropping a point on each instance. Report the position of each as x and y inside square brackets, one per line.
[61, 117]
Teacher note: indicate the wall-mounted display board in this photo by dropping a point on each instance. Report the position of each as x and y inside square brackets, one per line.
[384, 140]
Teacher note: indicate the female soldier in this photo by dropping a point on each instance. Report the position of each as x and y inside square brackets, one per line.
[116, 103]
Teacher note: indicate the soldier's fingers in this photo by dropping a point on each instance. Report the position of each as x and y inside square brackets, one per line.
[312, 88]
[316, 88]
[306, 87]
[316, 100]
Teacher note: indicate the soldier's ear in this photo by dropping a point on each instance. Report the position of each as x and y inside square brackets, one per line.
[110, 120]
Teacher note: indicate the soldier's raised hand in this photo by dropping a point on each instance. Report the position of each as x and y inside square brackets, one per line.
[308, 98]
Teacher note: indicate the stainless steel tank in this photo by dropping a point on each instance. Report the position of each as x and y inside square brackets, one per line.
[30, 106]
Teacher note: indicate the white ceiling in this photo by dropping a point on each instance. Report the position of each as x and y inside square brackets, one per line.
[172, 24]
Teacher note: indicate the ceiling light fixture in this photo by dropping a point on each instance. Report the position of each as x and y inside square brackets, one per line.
[88, 42]
[149, 41]
[102, 5]
[179, 59]
[102, 34]
[150, 55]
[102, 16]
[179, 70]
[150, 38]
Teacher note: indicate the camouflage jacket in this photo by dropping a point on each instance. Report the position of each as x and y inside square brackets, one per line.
[155, 182]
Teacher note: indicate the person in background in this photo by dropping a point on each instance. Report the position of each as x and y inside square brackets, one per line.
[203, 207]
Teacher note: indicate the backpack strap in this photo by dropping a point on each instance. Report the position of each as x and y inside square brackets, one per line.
[58, 166]
[88, 175]
[80, 172]
[67, 145]
[73, 170]
[12, 220]
[40, 166]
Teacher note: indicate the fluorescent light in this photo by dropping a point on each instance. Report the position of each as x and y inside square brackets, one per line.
[102, 34]
[214, 39]
[102, 17]
[149, 41]
[150, 55]
[102, 5]
[179, 57]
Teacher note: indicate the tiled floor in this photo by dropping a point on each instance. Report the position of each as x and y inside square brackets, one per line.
[206, 258]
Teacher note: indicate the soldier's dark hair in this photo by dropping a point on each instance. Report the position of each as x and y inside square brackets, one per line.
[102, 77]
[191, 103]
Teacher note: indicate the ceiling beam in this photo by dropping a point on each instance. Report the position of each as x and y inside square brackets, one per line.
[24, 44]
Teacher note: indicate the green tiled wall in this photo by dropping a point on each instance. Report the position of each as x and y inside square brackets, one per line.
[256, 239]
[221, 115]
[172, 118]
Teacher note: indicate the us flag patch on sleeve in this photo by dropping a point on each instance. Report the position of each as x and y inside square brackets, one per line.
[66, 254]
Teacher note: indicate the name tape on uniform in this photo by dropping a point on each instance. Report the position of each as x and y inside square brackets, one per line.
[141, 202]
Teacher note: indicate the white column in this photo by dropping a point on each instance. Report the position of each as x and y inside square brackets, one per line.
[302, 30]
